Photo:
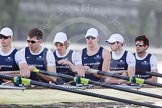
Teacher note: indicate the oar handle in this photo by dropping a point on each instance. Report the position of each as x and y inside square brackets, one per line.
[92, 70]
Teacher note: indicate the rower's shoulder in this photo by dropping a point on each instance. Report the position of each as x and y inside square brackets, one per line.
[21, 51]
[81, 51]
[106, 51]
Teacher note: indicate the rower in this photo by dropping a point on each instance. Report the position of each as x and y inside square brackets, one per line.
[10, 59]
[144, 61]
[122, 61]
[38, 56]
[67, 61]
[94, 56]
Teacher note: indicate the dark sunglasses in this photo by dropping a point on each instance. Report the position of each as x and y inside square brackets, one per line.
[140, 45]
[5, 37]
[90, 37]
[32, 41]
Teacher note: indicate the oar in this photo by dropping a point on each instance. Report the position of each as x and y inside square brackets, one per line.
[131, 79]
[87, 81]
[9, 72]
[11, 87]
[19, 80]
[154, 74]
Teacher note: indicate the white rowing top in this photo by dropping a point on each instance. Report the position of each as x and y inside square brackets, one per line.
[130, 59]
[76, 57]
[50, 57]
[18, 57]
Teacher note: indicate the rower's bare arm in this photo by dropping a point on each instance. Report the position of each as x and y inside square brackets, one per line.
[23, 66]
[71, 65]
[49, 78]
[111, 80]
[66, 62]
[51, 67]
[153, 78]
[153, 61]
[77, 61]
[24, 70]
[131, 71]
[106, 62]
[131, 64]
[80, 70]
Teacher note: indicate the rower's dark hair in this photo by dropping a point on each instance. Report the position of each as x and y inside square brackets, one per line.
[35, 32]
[143, 38]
